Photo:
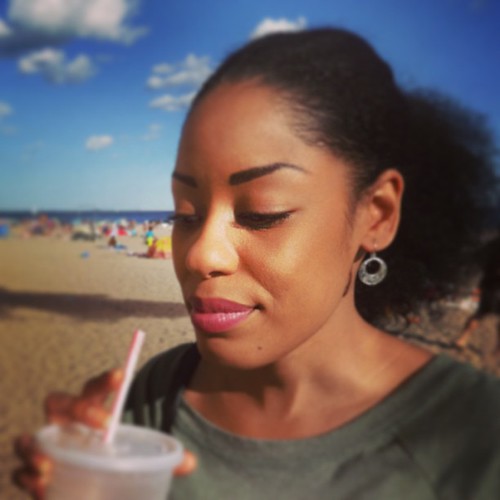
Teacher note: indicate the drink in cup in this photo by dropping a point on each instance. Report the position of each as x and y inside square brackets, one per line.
[138, 464]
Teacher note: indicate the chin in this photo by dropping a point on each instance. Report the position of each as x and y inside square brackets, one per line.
[231, 353]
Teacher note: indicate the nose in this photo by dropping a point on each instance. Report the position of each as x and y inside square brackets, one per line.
[211, 251]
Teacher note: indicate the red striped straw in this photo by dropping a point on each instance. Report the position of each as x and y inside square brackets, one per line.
[119, 400]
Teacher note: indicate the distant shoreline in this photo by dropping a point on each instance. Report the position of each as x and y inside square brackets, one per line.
[70, 216]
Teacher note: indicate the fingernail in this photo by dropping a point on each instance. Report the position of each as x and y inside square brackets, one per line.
[44, 465]
[96, 415]
[116, 377]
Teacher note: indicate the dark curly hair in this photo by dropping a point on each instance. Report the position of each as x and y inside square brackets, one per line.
[344, 97]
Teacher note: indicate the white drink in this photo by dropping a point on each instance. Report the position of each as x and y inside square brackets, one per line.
[138, 465]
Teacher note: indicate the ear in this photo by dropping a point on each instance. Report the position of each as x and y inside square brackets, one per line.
[382, 210]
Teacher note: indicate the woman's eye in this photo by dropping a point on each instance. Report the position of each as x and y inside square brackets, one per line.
[185, 219]
[256, 220]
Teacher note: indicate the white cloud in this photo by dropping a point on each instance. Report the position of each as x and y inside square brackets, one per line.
[80, 69]
[188, 74]
[53, 66]
[153, 132]
[172, 103]
[5, 31]
[5, 109]
[96, 142]
[163, 68]
[32, 24]
[105, 19]
[268, 25]
[193, 71]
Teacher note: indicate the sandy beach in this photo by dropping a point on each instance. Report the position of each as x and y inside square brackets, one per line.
[68, 310]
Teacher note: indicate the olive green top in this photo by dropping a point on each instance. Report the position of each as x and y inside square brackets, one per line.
[436, 437]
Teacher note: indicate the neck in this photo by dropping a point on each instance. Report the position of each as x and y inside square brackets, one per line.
[339, 372]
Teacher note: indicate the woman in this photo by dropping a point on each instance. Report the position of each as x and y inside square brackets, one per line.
[288, 183]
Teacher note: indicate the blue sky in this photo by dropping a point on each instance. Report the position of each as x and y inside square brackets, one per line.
[93, 93]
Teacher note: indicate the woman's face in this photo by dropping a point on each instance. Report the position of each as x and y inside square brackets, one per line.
[262, 244]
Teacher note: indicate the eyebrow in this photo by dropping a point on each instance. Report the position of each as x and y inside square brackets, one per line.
[256, 172]
[185, 179]
[244, 175]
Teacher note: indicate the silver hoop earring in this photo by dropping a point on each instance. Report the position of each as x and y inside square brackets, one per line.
[373, 270]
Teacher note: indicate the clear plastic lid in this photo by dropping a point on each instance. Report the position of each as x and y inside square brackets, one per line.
[134, 448]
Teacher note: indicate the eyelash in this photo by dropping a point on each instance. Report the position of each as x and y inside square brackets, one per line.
[257, 221]
[252, 220]
[184, 219]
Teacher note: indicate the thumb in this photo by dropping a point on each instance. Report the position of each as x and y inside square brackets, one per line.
[187, 466]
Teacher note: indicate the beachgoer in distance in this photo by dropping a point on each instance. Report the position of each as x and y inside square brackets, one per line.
[149, 236]
[113, 235]
[288, 186]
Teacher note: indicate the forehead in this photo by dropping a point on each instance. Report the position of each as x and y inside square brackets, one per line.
[238, 120]
[241, 126]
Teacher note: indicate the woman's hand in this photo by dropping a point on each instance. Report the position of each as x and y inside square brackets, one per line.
[36, 471]
[87, 408]
[60, 408]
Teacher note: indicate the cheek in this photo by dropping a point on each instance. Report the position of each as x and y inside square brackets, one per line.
[178, 255]
[312, 261]
[302, 286]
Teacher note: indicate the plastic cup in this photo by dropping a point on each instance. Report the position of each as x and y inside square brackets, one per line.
[138, 464]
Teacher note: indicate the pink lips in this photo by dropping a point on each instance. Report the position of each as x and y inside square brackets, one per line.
[217, 315]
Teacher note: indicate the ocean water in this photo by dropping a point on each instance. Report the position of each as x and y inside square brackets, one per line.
[72, 216]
